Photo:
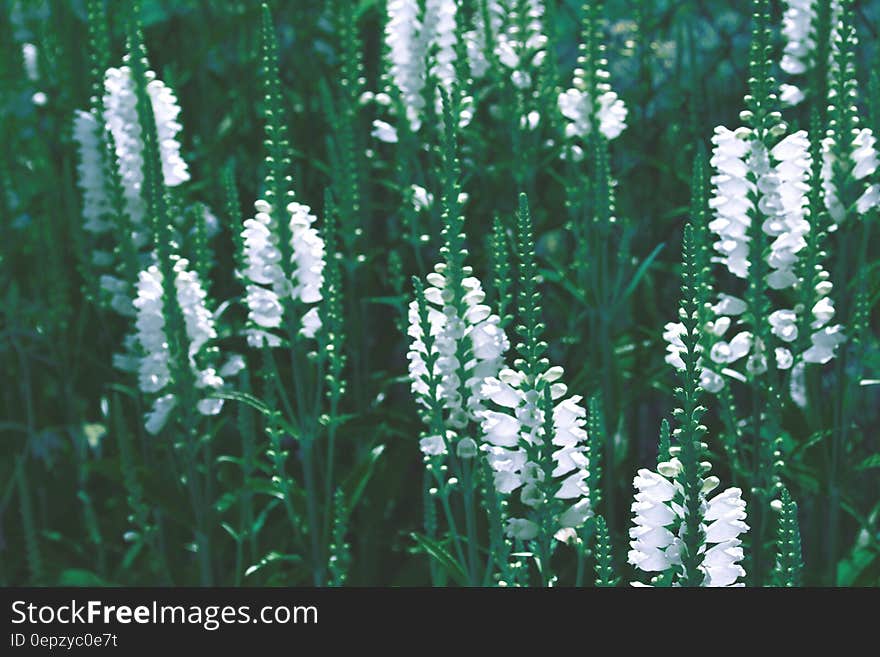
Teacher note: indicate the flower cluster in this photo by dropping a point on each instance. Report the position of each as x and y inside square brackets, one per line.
[271, 282]
[591, 101]
[469, 345]
[754, 183]
[121, 117]
[658, 515]
[155, 367]
[798, 28]
[522, 456]
[861, 165]
[88, 134]
[521, 51]
[411, 35]
[121, 120]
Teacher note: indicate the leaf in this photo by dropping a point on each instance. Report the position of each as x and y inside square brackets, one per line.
[271, 558]
[247, 398]
[442, 556]
[359, 477]
[258, 405]
[132, 553]
[80, 577]
[872, 461]
[642, 270]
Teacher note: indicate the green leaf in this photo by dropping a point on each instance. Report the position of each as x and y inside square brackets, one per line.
[442, 556]
[244, 397]
[360, 476]
[272, 557]
[872, 461]
[642, 270]
[80, 577]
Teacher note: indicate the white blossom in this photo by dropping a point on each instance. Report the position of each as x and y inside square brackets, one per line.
[270, 282]
[155, 366]
[475, 336]
[659, 525]
[88, 134]
[800, 47]
[121, 117]
[509, 435]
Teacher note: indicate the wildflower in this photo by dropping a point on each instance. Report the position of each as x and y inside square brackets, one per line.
[658, 526]
[121, 117]
[29, 56]
[469, 343]
[510, 434]
[155, 366]
[798, 29]
[270, 282]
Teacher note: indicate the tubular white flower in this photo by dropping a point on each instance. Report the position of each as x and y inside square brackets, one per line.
[406, 56]
[87, 131]
[29, 54]
[440, 29]
[166, 110]
[508, 433]
[577, 105]
[477, 334]
[788, 199]
[476, 40]
[658, 526]
[731, 201]
[724, 516]
[744, 170]
[653, 516]
[709, 380]
[800, 47]
[308, 254]
[121, 117]
[269, 281]
[154, 370]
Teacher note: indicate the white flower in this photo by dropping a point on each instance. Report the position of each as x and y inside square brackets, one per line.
[731, 201]
[154, 369]
[521, 529]
[475, 336]
[477, 38]
[510, 433]
[725, 516]
[784, 324]
[308, 254]
[432, 445]
[157, 417]
[421, 198]
[653, 516]
[234, 364]
[384, 131]
[166, 111]
[862, 162]
[440, 33]
[270, 281]
[785, 204]
[658, 525]
[824, 344]
[776, 179]
[800, 47]
[119, 292]
[121, 117]
[406, 56]
[154, 373]
[29, 57]
[88, 134]
[576, 105]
